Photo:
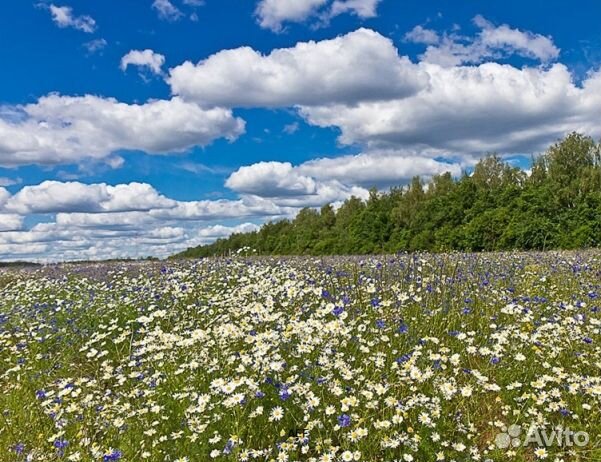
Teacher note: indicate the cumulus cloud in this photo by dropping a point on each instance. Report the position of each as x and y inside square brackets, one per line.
[56, 196]
[271, 179]
[65, 129]
[473, 110]
[221, 209]
[5, 181]
[145, 59]
[377, 169]
[359, 66]
[420, 34]
[4, 196]
[320, 181]
[211, 233]
[63, 17]
[124, 219]
[167, 10]
[289, 186]
[10, 222]
[492, 42]
[361, 8]
[272, 14]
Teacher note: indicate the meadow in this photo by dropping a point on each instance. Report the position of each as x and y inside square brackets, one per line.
[409, 357]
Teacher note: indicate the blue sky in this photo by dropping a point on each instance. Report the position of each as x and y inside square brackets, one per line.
[135, 128]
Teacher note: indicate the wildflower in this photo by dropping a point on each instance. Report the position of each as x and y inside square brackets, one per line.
[276, 414]
[344, 420]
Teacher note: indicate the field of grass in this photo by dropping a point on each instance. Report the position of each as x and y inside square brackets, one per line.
[408, 357]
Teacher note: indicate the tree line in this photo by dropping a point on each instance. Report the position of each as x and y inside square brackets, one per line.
[496, 206]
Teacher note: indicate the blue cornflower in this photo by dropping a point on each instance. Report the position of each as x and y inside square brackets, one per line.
[284, 394]
[344, 420]
[403, 328]
[380, 324]
[337, 311]
[228, 447]
[404, 358]
[61, 444]
[114, 455]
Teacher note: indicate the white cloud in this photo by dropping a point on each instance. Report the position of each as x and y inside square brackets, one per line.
[143, 58]
[56, 196]
[528, 44]
[288, 186]
[96, 45]
[221, 209]
[211, 233]
[167, 10]
[63, 129]
[99, 221]
[326, 180]
[4, 196]
[5, 181]
[492, 42]
[379, 169]
[473, 110]
[10, 222]
[291, 128]
[362, 8]
[362, 65]
[420, 34]
[63, 17]
[271, 179]
[272, 14]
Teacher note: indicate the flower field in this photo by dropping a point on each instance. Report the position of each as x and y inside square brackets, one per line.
[408, 358]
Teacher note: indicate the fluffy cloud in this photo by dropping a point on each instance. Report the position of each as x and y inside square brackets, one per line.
[63, 17]
[271, 179]
[4, 196]
[377, 169]
[124, 220]
[362, 8]
[288, 186]
[210, 233]
[362, 65]
[167, 10]
[420, 34]
[143, 58]
[10, 222]
[324, 180]
[472, 110]
[60, 241]
[491, 42]
[221, 209]
[55, 197]
[272, 14]
[63, 129]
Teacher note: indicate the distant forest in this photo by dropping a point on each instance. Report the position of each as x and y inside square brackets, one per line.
[494, 207]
